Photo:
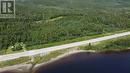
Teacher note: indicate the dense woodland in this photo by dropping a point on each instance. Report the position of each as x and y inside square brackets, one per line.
[46, 21]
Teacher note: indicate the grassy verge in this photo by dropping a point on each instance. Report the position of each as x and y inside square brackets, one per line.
[14, 62]
[117, 44]
[2, 52]
[73, 40]
[37, 59]
[48, 57]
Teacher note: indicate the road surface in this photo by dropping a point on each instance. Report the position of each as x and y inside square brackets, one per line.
[44, 51]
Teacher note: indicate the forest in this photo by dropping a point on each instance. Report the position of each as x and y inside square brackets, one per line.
[46, 21]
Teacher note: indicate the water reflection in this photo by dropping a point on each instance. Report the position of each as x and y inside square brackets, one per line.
[90, 63]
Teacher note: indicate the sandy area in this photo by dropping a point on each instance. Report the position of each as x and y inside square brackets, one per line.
[24, 68]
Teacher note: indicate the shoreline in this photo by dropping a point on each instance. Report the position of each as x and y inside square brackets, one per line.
[76, 52]
[62, 56]
[24, 68]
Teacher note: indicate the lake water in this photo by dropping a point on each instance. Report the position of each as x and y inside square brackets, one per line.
[90, 63]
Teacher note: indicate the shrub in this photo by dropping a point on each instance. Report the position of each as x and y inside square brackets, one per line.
[18, 46]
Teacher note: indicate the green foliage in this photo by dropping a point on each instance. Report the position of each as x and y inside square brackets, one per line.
[80, 18]
[18, 46]
[115, 44]
[48, 57]
[14, 62]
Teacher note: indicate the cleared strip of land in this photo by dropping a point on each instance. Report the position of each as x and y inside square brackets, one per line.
[44, 51]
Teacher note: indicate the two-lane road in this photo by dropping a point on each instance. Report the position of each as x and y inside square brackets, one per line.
[60, 47]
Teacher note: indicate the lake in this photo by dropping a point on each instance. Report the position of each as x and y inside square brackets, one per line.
[109, 62]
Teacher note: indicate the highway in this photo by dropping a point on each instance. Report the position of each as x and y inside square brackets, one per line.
[44, 51]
